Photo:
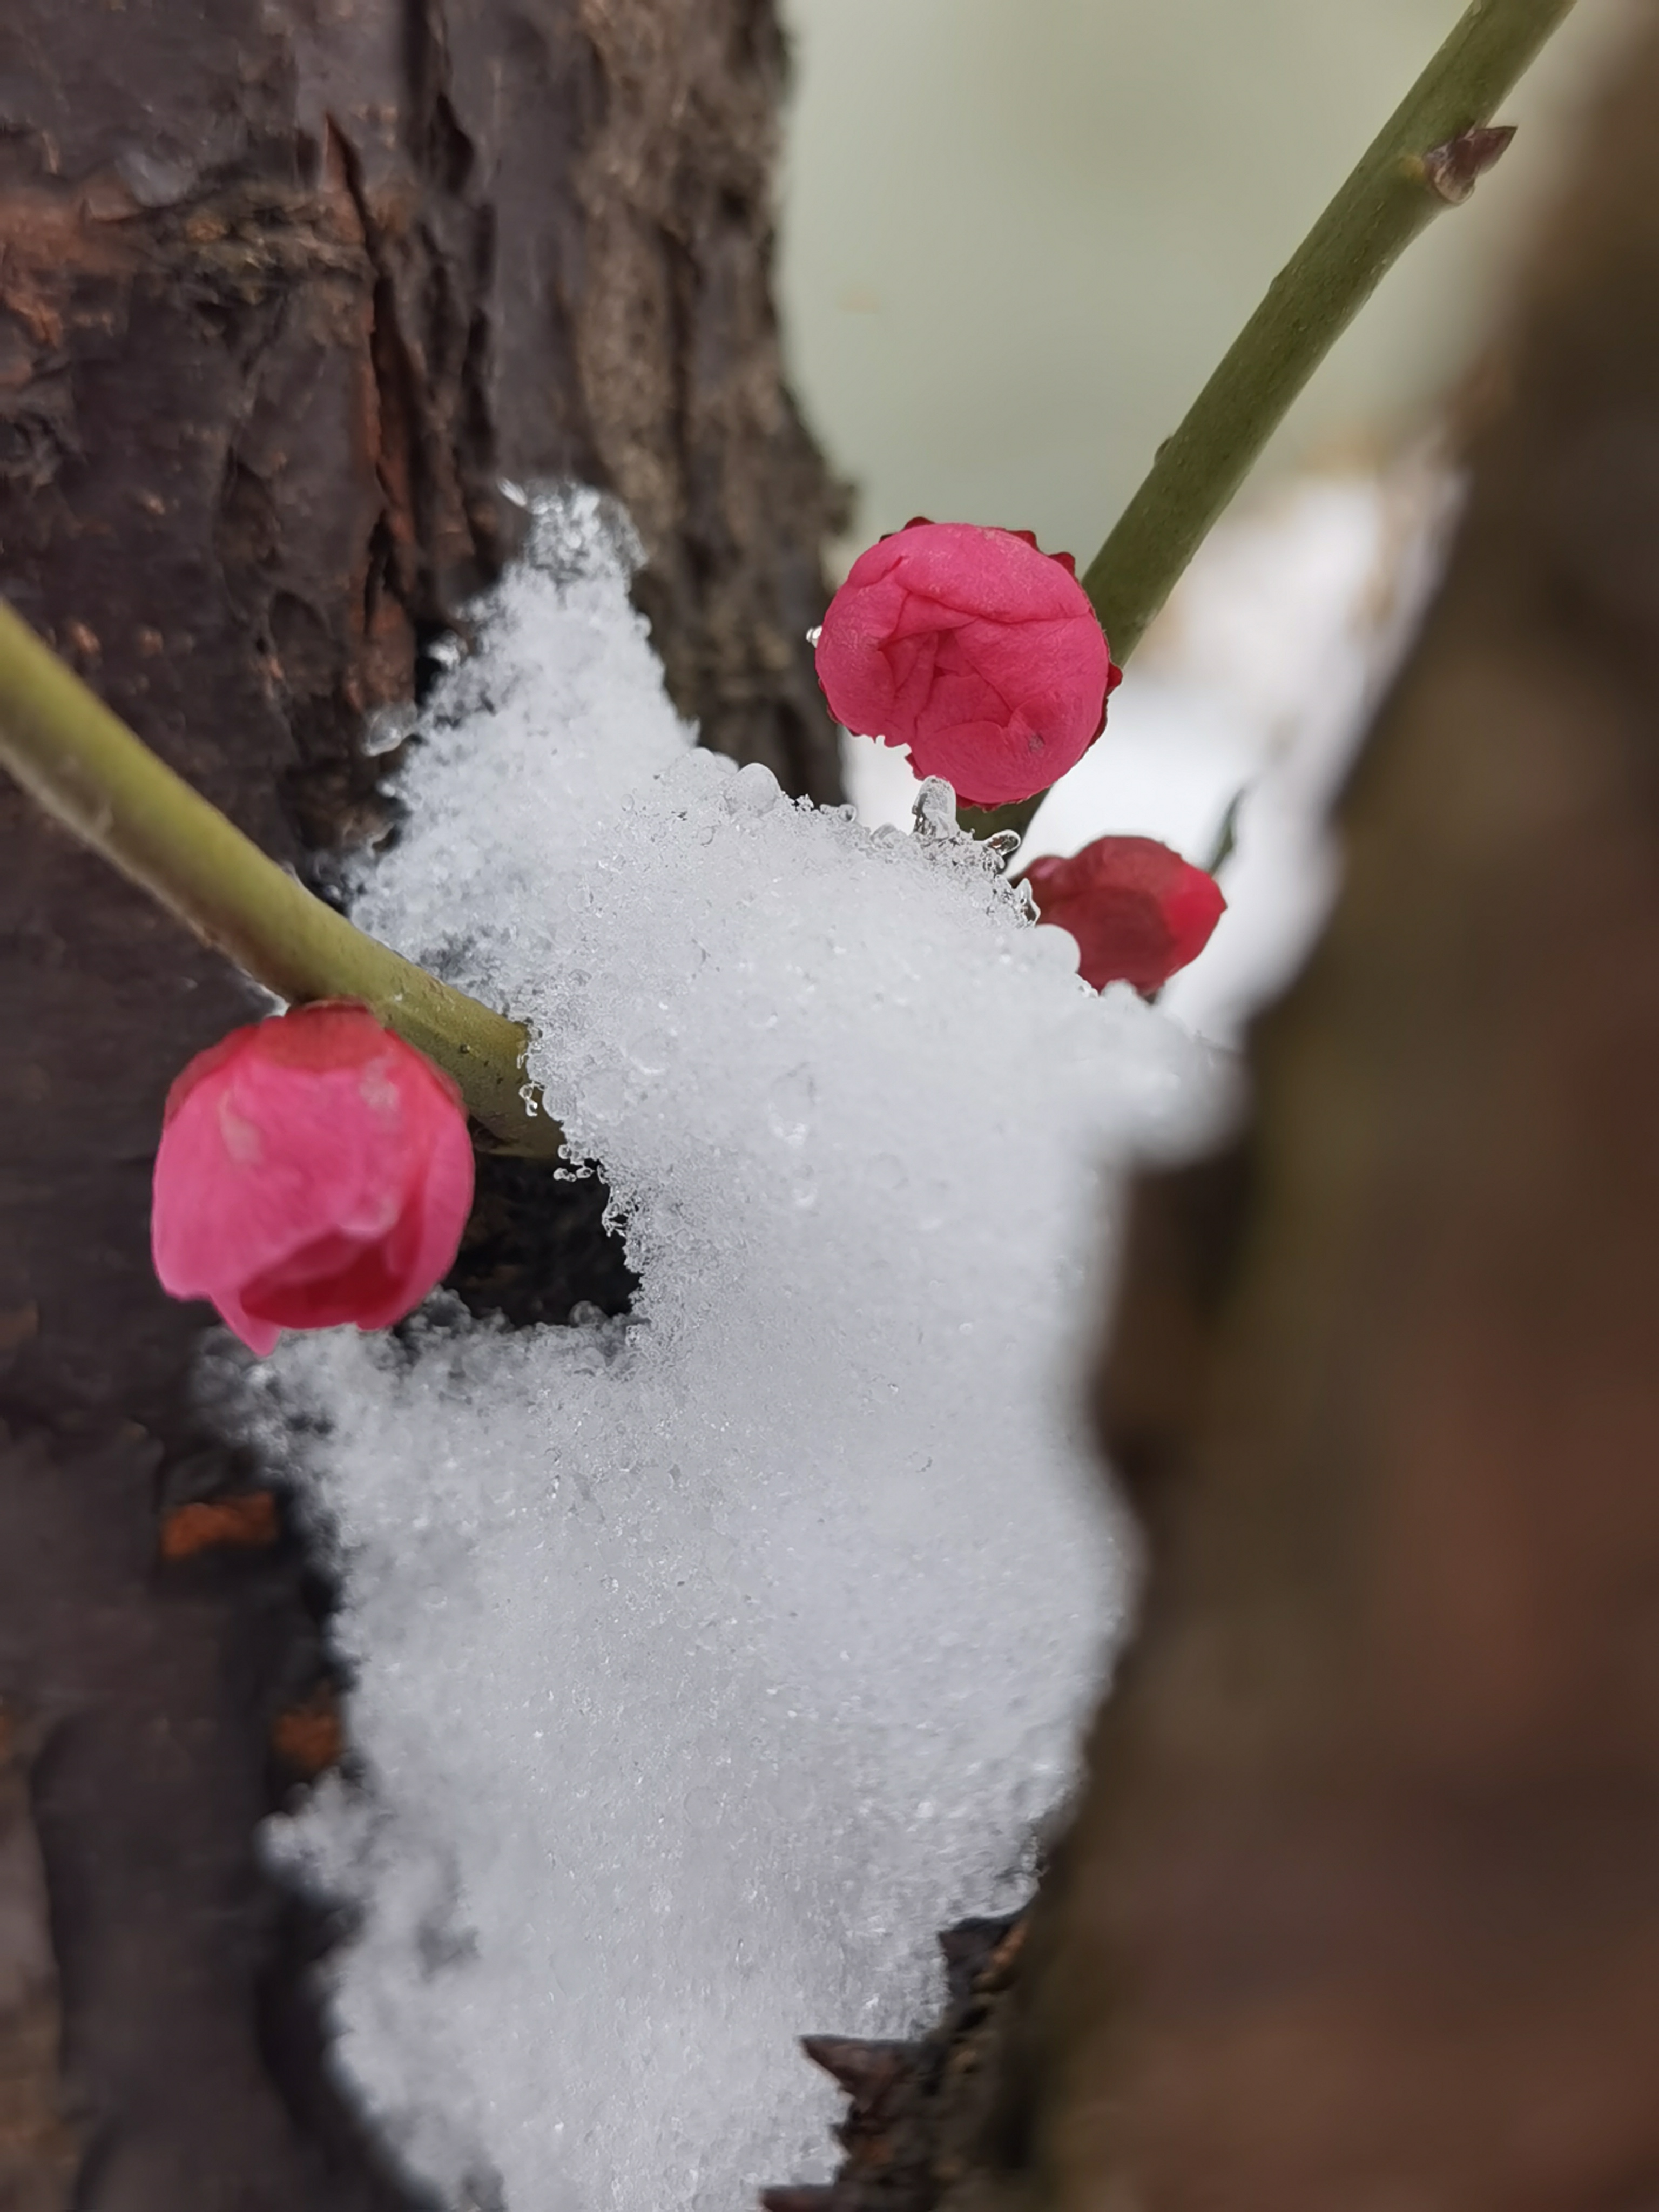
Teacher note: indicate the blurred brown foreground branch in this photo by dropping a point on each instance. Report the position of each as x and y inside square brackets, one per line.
[1363, 1908]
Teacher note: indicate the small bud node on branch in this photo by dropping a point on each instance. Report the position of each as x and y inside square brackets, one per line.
[1452, 171]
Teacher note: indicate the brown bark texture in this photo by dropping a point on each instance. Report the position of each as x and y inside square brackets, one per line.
[287, 289]
[37, 2151]
[1362, 1909]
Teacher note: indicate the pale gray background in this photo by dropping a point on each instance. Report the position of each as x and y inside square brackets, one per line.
[1018, 233]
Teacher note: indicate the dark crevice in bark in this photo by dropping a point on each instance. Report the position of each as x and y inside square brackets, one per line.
[404, 459]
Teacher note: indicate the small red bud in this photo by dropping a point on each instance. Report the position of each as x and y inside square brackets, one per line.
[1138, 910]
[975, 649]
[314, 1169]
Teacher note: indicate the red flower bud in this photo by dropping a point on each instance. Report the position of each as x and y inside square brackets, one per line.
[975, 649]
[314, 1169]
[1137, 911]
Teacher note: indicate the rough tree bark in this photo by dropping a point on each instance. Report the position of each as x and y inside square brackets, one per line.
[287, 287]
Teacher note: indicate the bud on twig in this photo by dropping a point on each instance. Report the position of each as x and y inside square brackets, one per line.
[1452, 171]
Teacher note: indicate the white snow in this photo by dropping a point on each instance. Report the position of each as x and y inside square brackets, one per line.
[704, 1664]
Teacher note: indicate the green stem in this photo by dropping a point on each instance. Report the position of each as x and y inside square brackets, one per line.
[1396, 192]
[85, 768]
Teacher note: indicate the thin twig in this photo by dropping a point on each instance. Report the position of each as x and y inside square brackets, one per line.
[1426, 158]
[87, 768]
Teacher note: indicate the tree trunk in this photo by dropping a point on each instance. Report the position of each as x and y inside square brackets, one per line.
[1363, 1907]
[286, 292]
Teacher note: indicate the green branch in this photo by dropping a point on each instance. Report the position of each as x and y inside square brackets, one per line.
[85, 768]
[1427, 157]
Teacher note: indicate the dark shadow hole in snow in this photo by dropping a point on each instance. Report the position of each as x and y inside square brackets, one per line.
[536, 1246]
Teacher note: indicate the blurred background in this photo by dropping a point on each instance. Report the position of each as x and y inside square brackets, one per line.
[1019, 235]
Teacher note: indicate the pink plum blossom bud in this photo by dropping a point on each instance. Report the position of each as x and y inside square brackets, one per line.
[973, 649]
[1137, 911]
[314, 1169]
